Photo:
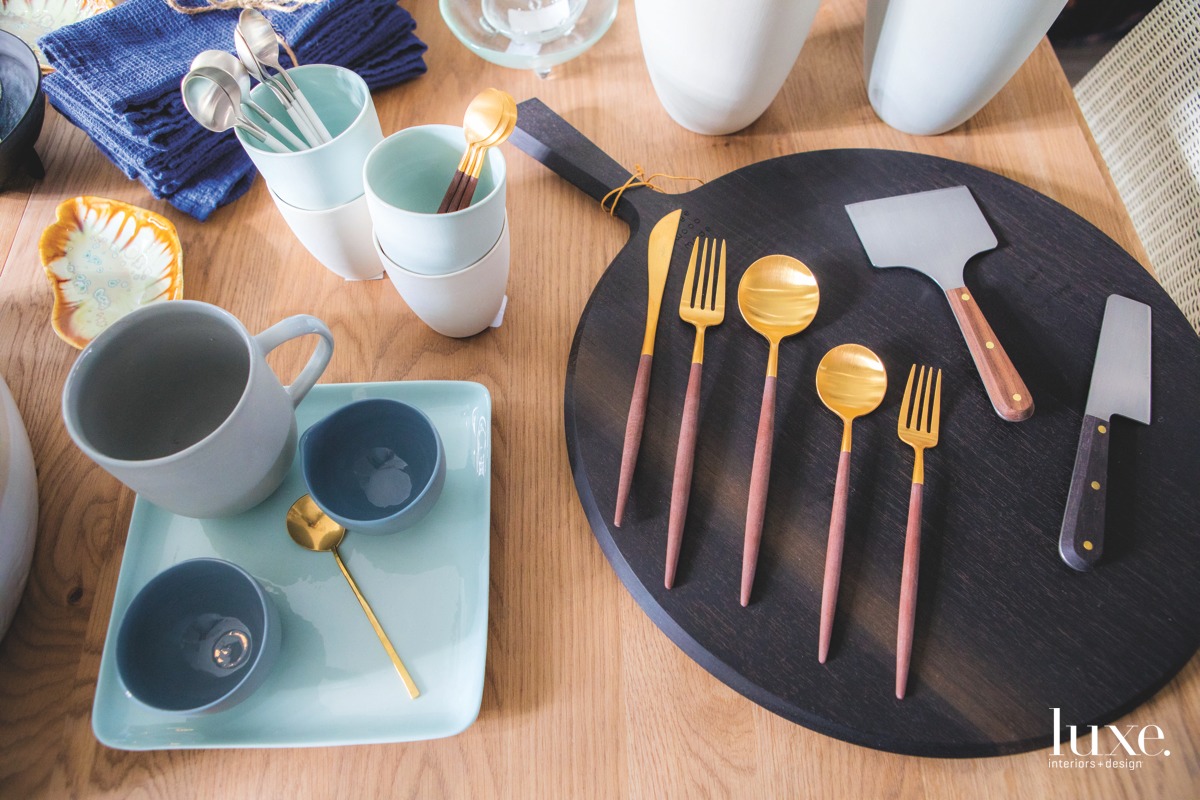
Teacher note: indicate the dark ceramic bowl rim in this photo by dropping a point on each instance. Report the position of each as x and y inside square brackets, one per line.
[37, 89]
[248, 671]
[412, 502]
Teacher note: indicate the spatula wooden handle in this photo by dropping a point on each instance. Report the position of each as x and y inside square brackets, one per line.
[760, 475]
[1004, 386]
[833, 554]
[681, 486]
[908, 589]
[633, 435]
[1081, 540]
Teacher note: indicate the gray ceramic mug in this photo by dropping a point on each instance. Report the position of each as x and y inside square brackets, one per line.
[177, 402]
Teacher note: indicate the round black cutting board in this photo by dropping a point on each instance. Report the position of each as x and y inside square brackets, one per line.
[1005, 632]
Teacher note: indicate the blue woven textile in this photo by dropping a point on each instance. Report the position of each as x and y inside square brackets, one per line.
[117, 77]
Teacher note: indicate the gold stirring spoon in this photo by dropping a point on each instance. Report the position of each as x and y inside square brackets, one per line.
[851, 382]
[778, 297]
[312, 529]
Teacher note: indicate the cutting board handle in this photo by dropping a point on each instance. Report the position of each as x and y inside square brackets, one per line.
[550, 139]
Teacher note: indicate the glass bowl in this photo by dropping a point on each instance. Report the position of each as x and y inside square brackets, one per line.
[467, 21]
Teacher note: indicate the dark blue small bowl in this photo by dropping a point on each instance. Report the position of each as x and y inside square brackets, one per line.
[22, 109]
[199, 638]
[374, 466]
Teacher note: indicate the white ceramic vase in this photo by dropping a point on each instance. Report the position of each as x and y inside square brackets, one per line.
[18, 507]
[931, 65]
[717, 64]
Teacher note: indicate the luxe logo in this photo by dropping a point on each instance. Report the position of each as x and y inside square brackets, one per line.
[1131, 742]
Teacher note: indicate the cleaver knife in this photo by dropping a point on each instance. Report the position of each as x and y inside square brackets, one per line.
[1120, 385]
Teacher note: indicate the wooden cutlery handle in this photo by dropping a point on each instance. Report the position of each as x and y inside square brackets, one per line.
[681, 486]
[908, 589]
[451, 192]
[633, 435]
[1082, 538]
[760, 475]
[1005, 389]
[466, 193]
[833, 553]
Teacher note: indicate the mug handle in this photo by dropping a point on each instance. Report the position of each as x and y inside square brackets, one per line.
[291, 328]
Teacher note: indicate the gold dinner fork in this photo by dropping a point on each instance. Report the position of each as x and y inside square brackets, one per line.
[702, 305]
[920, 414]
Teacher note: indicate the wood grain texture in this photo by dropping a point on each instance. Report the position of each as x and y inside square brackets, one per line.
[1081, 540]
[1051, 269]
[833, 554]
[584, 696]
[910, 573]
[635, 421]
[681, 483]
[1004, 386]
[760, 478]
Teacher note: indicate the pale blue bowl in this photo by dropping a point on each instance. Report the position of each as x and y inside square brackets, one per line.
[199, 638]
[375, 466]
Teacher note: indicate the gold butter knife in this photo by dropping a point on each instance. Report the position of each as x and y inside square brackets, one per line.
[662, 243]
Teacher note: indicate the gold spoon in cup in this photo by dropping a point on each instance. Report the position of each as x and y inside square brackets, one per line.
[471, 179]
[778, 297]
[487, 118]
[851, 382]
[312, 529]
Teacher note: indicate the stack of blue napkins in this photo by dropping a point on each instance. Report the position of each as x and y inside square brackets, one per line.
[117, 77]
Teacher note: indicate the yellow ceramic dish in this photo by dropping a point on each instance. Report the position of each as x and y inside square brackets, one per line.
[104, 258]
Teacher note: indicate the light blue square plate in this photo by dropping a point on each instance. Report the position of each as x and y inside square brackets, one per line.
[333, 684]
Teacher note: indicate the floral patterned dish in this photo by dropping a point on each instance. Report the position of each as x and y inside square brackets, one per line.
[104, 258]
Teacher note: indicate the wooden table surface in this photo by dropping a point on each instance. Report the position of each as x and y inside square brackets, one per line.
[583, 695]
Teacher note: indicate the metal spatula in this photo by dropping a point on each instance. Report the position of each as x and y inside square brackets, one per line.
[936, 233]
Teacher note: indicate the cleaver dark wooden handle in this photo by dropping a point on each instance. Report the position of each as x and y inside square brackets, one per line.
[550, 139]
[1082, 538]
[1004, 386]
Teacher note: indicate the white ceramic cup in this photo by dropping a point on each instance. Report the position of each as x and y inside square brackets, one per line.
[340, 238]
[406, 177]
[457, 304]
[717, 64]
[330, 174]
[931, 65]
[177, 402]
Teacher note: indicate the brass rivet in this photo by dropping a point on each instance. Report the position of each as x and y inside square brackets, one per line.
[991, 345]
[1095, 484]
[1102, 429]
[966, 296]
[1017, 397]
[1087, 545]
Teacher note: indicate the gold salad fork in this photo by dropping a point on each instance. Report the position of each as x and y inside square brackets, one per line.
[920, 414]
[702, 305]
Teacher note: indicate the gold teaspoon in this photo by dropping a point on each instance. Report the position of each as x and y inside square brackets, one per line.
[851, 382]
[312, 529]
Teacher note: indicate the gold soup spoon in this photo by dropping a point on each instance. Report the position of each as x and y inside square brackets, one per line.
[487, 121]
[851, 382]
[311, 528]
[778, 297]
